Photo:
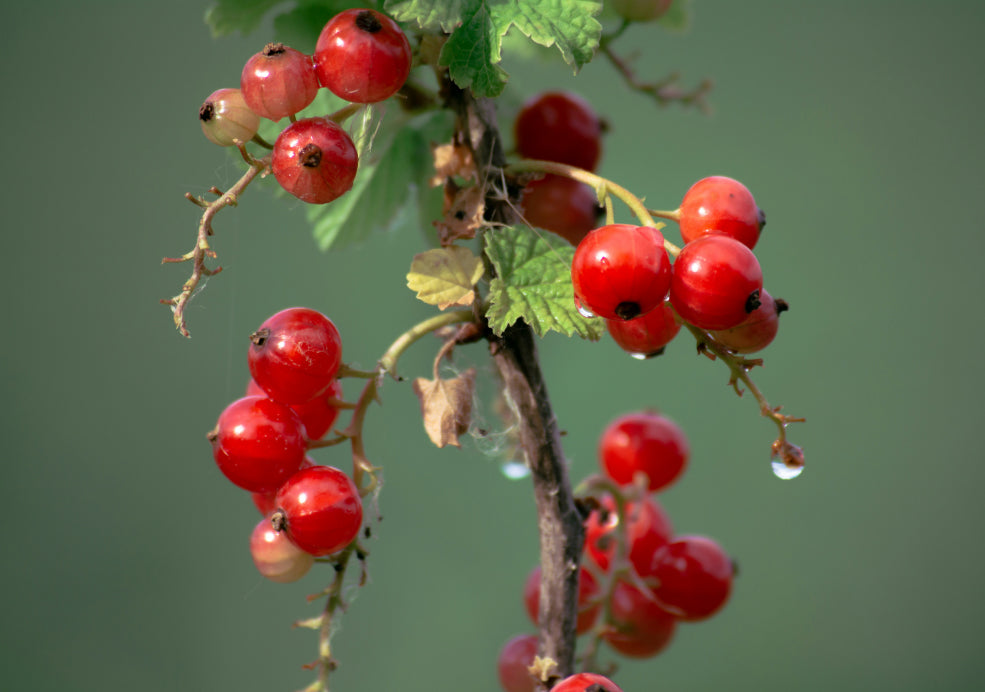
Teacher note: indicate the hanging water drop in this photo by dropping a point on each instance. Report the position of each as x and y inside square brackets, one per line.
[585, 312]
[514, 470]
[784, 472]
[639, 356]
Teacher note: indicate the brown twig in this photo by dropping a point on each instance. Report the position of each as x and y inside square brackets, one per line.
[664, 91]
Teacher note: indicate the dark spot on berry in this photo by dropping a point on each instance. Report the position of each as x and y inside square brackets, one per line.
[278, 520]
[627, 310]
[273, 49]
[259, 337]
[206, 112]
[310, 156]
[367, 21]
[761, 217]
[781, 305]
[753, 301]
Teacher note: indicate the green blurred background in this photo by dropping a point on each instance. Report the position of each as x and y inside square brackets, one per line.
[857, 125]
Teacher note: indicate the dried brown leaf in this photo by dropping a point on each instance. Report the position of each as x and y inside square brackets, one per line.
[446, 405]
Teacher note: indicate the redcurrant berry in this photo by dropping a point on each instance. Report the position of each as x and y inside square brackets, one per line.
[362, 56]
[561, 127]
[621, 271]
[561, 205]
[515, 659]
[318, 415]
[758, 330]
[266, 502]
[641, 10]
[588, 590]
[295, 355]
[586, 682]
[645, 336]
[258, 443]
[226, 118]
[644, 443]
[275, 556]
[716, 282]
[320, 509]
[278, 81]
[639, 627]
[695, 577]
[721, 205]
[647, 528]
[315, 160]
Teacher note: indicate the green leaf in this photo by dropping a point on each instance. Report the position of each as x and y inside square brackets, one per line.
[533, 283]
[384, 186]
[474, 49]
[445, 276]
[227, 16]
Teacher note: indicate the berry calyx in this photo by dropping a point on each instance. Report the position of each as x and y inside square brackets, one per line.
[258, 443]
[621, 271]
[559, 126]
[718, 204]
[561, 205]
[315, 160]
[638, 626]
[278, 81]
[695, 577]
[644, 443]
[588, 590]
[295, 354]
[362, 56]
[320, 509]
[275, 557]
[716, 282]
[645, 336]
[586, 682]
[647, 527]
[514, 661]
[226, 118]
[758, 330]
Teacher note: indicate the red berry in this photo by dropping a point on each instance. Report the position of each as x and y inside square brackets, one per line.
[258, 443]
[318, 415]
[515, 658]
[647, 528]
[362, 56]
[275, 556]
[640, 627]
[266, 502]
[561, 127]
[588, 590]
[225, 118]
[758, 330]
[621, 271]
[641, 10]
[716, 282]
[721, 205]
[320, 509]
[561, 205]
[315, 160]
[295, 355]
[586, 682]
[278, 81]
[695, 577]
[644, 443]
[647, 335]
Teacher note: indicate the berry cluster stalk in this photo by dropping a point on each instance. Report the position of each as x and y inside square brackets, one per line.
[515, 355]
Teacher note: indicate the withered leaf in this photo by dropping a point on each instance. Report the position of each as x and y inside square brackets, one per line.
[446, 405]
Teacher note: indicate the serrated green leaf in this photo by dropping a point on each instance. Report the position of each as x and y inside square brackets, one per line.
[474, 49]
[533, 283]
[228, 16]
[384, 185]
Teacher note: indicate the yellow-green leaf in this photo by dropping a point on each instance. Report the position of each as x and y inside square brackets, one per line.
[445, 276]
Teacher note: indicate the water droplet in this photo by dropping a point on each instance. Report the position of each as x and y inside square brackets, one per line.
[514, 470]
[585, 312]
[784, 472]
[639, 356]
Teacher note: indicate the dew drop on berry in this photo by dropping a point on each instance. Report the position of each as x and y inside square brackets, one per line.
[639, 356]
[585, 312]
[784, 472]
[514, 470]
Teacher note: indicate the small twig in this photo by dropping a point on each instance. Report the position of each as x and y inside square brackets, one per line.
[664, 91]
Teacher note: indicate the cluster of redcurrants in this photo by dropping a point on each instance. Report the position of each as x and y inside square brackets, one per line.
[361, 56]
[622, 272]
[638, 576]
[260, 444]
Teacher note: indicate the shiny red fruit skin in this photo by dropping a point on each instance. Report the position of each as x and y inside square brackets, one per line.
[514, 659]
[640, 627]
[315, 160]
[559, 126]
[648, 528]
[716, 282]
[718, 204]
[258, 443]
[581, 682]
[588, 590]
[621, 271]
[294, 355]
[225, 117]
[322, 509]
[275, 557]
[695, 577]
[266, 502]
[318, 415]
[646, 336]
[278, 81]
[757, 331]
[561, 205]
[362, 56]
[644, 442]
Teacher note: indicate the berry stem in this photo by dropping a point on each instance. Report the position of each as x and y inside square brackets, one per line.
[674, 215]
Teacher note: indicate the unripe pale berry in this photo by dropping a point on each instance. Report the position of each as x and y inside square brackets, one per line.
[275, 556]
[225, 118]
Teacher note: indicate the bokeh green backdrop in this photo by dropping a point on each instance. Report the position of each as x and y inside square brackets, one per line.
[858, 125]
